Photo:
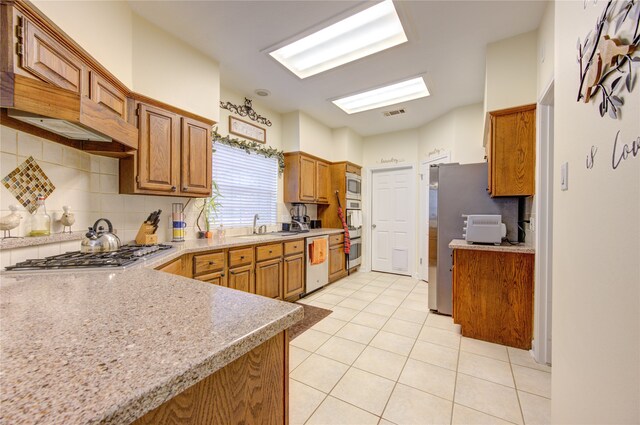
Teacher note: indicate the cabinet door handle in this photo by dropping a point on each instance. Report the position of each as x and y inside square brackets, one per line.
[242, 257]
[232, 273]
[212, 263]
[184, 189]
[222, 275]
[173, 188]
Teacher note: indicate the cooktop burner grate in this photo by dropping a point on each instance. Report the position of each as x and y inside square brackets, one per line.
[125, 256]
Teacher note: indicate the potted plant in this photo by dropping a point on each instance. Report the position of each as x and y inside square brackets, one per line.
[209, 209]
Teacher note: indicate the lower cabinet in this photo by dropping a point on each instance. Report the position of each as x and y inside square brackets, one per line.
[253, 389]
[293, 275]
[241, 278]
[493, 296]
[269, 278]
[337, 260]
[173, 267]
[217, 278]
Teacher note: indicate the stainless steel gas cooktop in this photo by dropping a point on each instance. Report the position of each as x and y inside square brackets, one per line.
[123, 257]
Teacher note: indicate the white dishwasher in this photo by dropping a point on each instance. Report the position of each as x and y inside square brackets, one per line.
[317, 274]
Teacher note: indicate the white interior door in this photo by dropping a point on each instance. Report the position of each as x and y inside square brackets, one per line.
[393, 220]
[423, 242]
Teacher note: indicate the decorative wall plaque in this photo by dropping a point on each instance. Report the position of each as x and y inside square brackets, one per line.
[247, 130]
[608, 57]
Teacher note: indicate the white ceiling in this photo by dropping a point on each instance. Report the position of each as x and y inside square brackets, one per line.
[447, 43]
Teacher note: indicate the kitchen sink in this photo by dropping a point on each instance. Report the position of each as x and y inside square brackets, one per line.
[281, 233]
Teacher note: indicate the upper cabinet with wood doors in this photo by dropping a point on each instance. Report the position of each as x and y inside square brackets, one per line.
[511, 151]
[306, 178]
[173, 158]
[47, 74]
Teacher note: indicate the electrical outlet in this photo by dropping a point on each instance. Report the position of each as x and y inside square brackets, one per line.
[532, 224]
[564, 176]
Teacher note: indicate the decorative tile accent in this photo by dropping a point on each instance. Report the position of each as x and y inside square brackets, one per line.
[27, 182]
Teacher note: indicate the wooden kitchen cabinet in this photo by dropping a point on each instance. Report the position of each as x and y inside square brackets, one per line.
[337, 259]
[217, 278]
[173, 267]
[306, 178]
[294, 267]
[493, 296]
[253, 389]
[158, 150]
[322, 182]
[173, 157]
[241, 278]
[196, 157]
[511, 151]
[269, 278]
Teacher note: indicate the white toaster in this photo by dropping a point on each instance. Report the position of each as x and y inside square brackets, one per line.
[484, 229]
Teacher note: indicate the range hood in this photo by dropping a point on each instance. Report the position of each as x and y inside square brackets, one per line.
[67, 115]
[61, 127]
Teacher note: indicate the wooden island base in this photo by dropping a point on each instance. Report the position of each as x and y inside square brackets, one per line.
[253, 389]
[493, 296]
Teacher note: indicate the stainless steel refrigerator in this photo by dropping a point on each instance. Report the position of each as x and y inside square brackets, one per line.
[456, 190]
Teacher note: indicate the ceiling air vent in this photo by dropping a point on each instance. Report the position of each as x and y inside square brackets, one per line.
[394, 112]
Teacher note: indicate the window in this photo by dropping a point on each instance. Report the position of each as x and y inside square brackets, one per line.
[248, 184]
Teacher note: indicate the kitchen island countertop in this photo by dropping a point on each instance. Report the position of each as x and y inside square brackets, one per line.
[108, 346]
[504, 247]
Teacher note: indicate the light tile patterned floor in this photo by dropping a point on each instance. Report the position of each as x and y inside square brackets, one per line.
[382, 358]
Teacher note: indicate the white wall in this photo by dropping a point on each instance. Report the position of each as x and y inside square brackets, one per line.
[348, 145]
[316, 138]
[545, 47]
[391, 148]
[173, 72]
[102, 28]
[596, 272]
[144, 57]
[458, 132]
[511, 72]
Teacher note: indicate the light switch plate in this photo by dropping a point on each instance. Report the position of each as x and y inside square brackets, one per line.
[564, 176]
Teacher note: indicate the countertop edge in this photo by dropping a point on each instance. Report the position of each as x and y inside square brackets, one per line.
[504, 247]
[155, 397]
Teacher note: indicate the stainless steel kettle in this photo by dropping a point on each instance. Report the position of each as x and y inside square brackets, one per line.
[99, 240]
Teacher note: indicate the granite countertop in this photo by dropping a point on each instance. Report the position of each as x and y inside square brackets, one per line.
[109, 346]
[504, 247]
[193, 246]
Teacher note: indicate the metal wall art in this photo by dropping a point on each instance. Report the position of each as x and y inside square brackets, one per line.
[245, 111]
[609, 61]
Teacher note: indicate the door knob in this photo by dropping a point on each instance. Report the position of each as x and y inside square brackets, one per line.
[373, 226]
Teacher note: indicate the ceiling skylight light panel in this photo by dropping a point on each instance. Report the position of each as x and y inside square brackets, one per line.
[370, 31]
[384, 96]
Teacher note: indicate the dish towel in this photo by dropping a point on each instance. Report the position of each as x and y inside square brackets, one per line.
[318, 251]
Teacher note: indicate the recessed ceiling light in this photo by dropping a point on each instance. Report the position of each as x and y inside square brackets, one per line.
[262, 92]
[414, 88]
[365, 33]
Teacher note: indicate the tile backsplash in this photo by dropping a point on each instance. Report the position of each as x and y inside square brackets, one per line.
[89, 185]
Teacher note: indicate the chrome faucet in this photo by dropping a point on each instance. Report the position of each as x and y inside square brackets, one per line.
[255, 220]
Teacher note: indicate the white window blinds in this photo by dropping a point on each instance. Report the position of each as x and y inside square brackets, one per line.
[248, 184]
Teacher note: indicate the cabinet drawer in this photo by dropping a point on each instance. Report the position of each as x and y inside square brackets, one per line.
[208, 262]
[174, 267]
[336, 239]
[267, 252]
[240, 257]
[294, 247]
[217, 278]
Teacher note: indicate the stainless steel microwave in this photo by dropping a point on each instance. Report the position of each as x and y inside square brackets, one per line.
[354, 186]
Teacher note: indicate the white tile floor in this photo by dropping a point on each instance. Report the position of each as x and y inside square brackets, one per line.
[381, 358]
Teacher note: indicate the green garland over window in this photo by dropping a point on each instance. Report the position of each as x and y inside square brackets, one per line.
[249, 147]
